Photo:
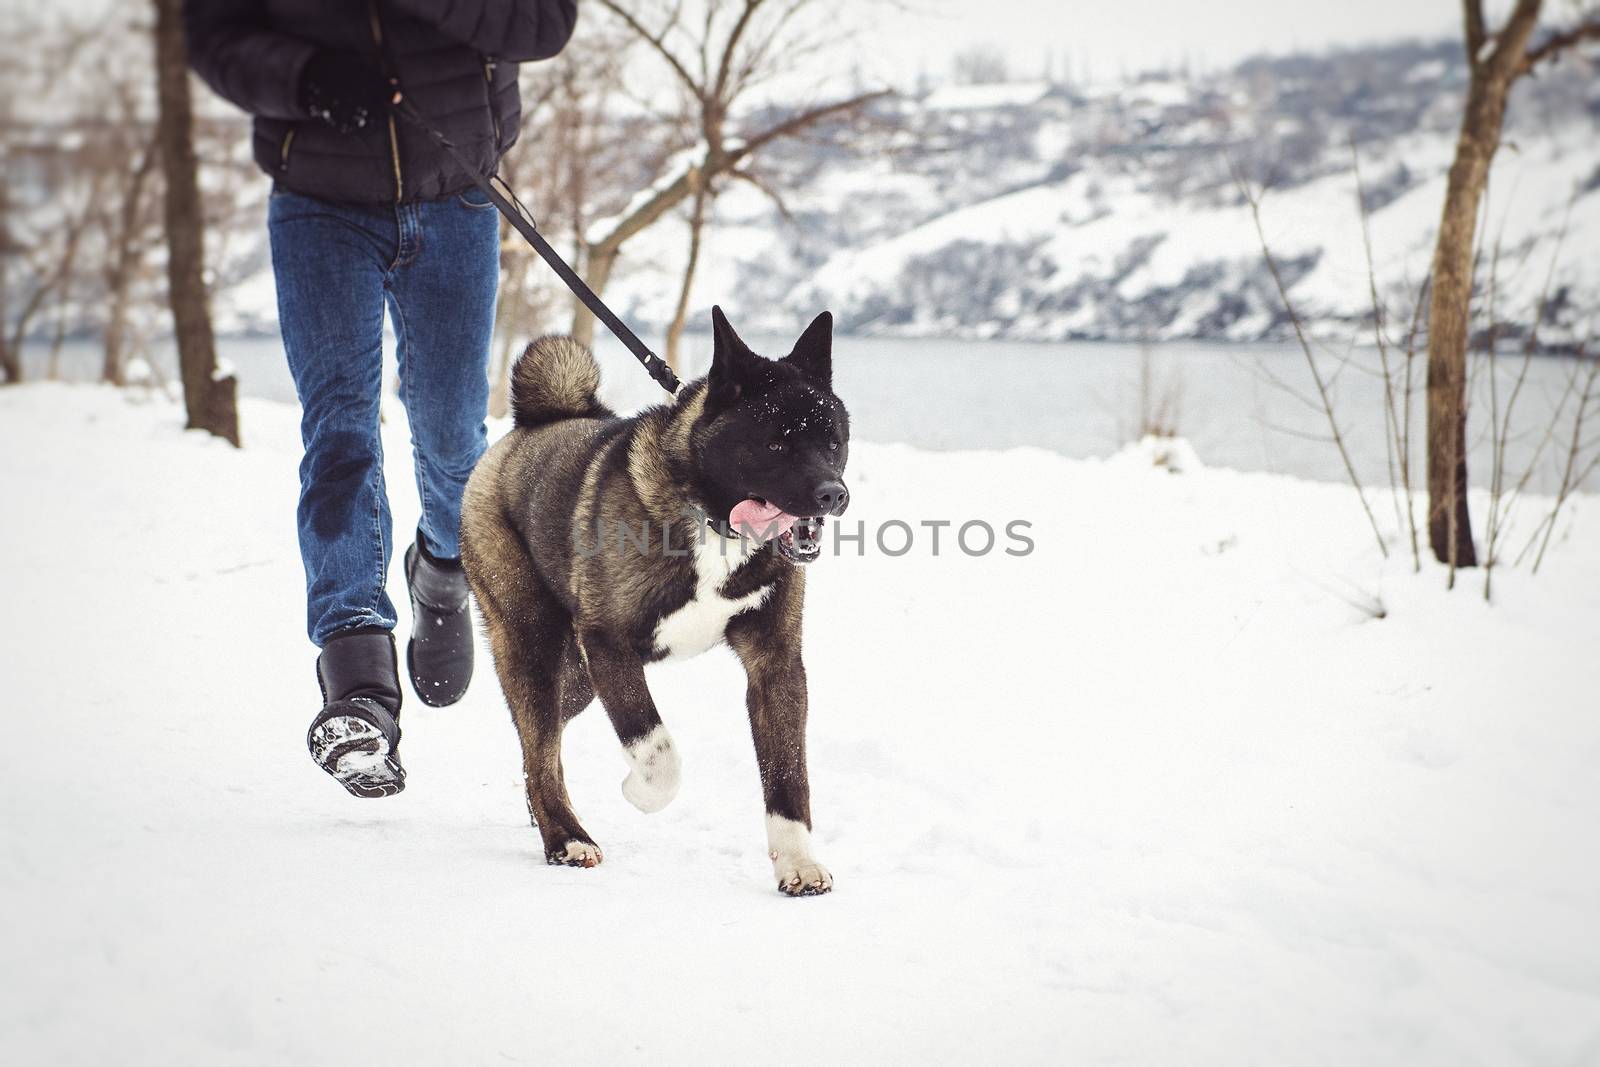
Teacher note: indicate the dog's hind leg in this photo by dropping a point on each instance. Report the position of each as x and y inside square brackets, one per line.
[768, 644]
[654, 765]
[528, 630]
[577, 692]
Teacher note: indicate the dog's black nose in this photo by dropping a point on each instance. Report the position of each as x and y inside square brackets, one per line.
[832, 497]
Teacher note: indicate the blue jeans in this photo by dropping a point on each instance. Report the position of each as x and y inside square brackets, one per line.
[435, 264]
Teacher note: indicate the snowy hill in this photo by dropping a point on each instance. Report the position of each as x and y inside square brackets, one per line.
[1157, 792]
[1044, 212]
[1032, 210]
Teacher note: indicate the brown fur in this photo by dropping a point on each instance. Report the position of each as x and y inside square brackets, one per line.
[565, 627]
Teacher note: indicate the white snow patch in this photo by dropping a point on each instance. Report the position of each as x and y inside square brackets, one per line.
[985, 97]
[1171, 454]
[1156, 792]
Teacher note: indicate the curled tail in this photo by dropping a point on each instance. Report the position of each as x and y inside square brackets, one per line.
[555, 378]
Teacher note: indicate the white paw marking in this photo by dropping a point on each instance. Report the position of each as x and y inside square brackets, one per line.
[577, 854]
[789, 848]
[656, 771]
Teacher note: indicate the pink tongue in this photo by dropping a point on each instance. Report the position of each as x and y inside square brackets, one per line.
[761, 521]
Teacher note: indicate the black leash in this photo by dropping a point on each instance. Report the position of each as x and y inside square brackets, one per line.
[519, 217]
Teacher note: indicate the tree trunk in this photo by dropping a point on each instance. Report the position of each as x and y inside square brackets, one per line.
[500, 380]
[697, 222]
[119, 279]
[111, 362]
[210, 398]
[601, 259]
[57, 277]
[10, 359]
[1449, 319]
[57, 339]
[1495, 63]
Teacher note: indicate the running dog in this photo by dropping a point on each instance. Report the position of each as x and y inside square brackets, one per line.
[596, 544]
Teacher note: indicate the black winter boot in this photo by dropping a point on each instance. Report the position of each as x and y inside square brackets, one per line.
[439, 654]
[356, 736]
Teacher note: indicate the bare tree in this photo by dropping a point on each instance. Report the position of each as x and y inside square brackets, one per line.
[1495, 61]
[48, 196]
[124, 257]
[40, 263]
[210, 396]
[980, 65]
[10, 356]
[126, 150]
[713, 61]
[579, 157]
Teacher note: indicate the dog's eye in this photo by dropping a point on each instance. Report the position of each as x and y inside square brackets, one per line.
[775, 446]
[833, 446]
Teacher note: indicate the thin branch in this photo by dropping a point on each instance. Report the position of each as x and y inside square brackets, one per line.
[1496, 438]
[1555, 44]
[1405, 425]
[707, 24]
[1570, 477]
[1391, 421]
[1290, 431]
[729, 50]
[1473, 13]
[1305, 346]
[1271, 377]
[657, 41]
[766, 188]
[1498, 515]
[805, 119]
[675, 192]
[756, 59]
[1508, 56]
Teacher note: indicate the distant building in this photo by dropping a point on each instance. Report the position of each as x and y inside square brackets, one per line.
[996, 97]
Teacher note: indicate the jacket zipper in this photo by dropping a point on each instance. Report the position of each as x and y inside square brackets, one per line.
[488, 92]
[283, 152]
[394, 137]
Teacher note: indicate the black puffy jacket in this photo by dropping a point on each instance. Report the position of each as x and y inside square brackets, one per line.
[456, 61]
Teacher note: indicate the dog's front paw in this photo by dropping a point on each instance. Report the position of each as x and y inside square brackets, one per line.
[803, 877]
[575, 854]
[657, 771]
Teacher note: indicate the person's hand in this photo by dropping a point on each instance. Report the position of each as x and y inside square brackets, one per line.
[343, 90]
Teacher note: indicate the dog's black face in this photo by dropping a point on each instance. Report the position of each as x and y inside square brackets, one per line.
[775, 439]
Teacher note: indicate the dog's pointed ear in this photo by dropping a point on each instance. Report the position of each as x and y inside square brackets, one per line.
[731, 359]
[813, 353]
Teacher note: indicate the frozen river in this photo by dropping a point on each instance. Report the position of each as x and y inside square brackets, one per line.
[1241, 406]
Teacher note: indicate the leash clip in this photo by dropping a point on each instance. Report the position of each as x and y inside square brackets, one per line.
[658, 369]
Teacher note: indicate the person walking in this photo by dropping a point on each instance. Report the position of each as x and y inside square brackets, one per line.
[367, 212]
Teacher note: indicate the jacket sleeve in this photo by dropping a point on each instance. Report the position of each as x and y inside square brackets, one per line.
[514, 30]
[234, 51]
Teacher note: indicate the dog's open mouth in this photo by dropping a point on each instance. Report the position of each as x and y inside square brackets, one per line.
[802, 542]
[799, 538]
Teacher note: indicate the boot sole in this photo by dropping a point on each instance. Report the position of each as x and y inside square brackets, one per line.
[357, 755]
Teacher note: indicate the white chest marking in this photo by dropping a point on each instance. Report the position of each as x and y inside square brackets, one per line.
[700, 623]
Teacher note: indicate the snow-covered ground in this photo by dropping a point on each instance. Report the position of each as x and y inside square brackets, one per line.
[1156, 792]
